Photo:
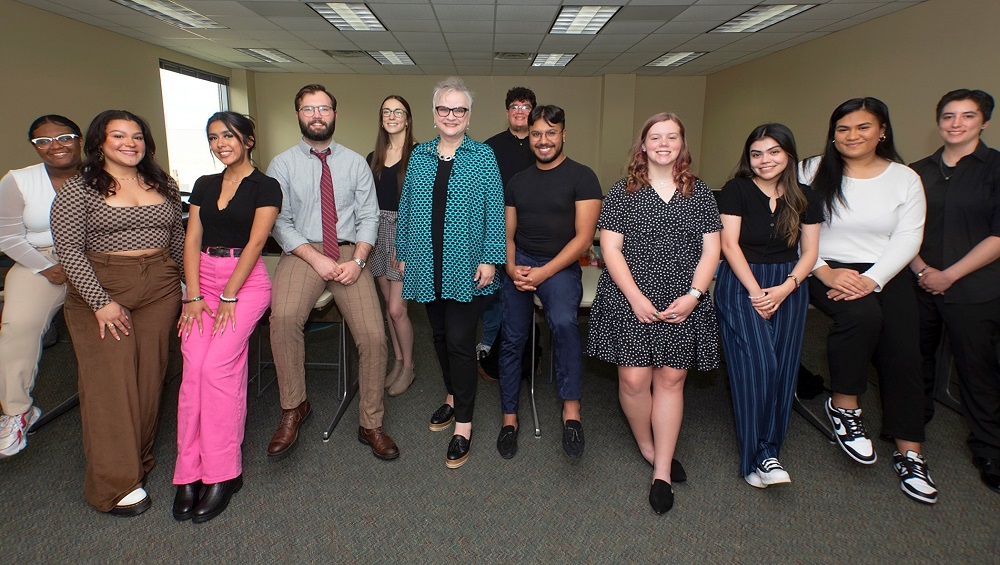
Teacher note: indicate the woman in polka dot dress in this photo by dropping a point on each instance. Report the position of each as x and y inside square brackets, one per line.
[652, 315]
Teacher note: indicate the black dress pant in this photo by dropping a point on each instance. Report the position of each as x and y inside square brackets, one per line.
[881, 328]
[974, 333]
[453, 325]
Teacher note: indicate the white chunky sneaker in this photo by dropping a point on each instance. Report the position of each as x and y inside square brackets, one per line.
[851, 434]
[914, 479]
[14, 431]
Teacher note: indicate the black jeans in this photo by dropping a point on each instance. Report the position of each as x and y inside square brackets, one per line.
[453, 325]
[882, 328]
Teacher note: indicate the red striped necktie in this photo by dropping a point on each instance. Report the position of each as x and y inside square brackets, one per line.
[329, 207]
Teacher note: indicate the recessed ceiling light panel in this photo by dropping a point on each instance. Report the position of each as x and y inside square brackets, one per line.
[583, 20]
[391, 57]
[268, 55]
[552, 59]
[171, 13]
[348, 17]
[761, 17]
[675, 59]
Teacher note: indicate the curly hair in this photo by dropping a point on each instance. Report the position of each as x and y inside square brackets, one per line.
[92, 169]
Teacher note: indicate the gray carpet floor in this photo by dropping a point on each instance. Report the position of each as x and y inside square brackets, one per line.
[332, 502]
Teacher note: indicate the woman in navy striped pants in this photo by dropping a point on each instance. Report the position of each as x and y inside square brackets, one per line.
[760, 294]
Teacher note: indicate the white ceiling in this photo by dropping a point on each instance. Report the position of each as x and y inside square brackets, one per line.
[461, 36]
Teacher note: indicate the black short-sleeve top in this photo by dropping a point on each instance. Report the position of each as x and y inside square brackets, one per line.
[230, 227]
[387, 185]
[759, 238]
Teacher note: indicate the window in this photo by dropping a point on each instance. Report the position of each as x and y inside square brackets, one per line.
[190, 96]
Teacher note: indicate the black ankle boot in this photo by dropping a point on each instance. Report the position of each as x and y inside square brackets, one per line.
[216, 499]
[185, 500]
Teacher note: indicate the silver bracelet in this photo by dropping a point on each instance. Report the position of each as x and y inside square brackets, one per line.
[232, 300]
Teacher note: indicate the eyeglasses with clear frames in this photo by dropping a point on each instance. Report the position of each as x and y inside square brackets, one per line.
[64, 139]
[398, 112]
[519, 108]
[308, 111]
[443, 111]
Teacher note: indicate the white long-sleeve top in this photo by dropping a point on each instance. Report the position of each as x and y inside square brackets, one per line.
[881, 221]
[26, 197]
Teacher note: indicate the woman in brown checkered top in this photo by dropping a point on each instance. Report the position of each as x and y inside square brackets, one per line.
[117, 229]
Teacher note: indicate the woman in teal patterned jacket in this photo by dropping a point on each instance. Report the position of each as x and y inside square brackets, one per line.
[449, 239]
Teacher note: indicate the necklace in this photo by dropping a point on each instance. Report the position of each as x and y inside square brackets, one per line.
[947, 177]
[125, 178]
[446, 157]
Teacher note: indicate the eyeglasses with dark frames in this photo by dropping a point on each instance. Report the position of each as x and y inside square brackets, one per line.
[64, 139]
[443, 111]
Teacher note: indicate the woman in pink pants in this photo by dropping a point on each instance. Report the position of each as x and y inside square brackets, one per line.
[228, 291]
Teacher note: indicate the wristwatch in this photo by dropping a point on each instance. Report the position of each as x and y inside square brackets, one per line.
[361, 262]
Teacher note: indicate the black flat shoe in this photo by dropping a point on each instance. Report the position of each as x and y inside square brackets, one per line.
[989, 472]
[507, 442]
[442, 418]
[458, 451]
[677, 472]
[216, 499]
[186, 500]
[661, 496]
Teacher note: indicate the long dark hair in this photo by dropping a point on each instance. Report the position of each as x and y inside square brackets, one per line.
[638, 166]
[241, 126]
[382, 143]
[53, 119]
[149, 170]
[790, 215]
[830, 173]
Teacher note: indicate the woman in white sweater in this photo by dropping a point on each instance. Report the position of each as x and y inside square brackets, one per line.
[35, 286]
[875, 218]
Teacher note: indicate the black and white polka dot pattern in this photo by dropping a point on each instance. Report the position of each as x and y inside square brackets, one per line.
[662, 247]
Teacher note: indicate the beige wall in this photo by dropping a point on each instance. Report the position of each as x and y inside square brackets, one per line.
[897, 58]
[359, 97]
[907, 59]
[55, 65]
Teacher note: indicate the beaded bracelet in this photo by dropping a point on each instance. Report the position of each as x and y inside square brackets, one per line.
[232, 300]
[190, 300]
[756, 297]
[921, 273]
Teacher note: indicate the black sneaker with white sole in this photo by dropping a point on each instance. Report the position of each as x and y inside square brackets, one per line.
[850, 433]
[914, 478]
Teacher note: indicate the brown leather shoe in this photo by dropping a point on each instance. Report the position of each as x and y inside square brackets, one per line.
[382, 445]
[288, 429]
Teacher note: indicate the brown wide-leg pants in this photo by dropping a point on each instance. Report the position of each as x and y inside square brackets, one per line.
[120, 382]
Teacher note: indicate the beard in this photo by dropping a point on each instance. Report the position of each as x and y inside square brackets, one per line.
[321, 135]
[555, 155]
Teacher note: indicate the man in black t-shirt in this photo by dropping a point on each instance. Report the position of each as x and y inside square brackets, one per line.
[514, 155]
[551, 215]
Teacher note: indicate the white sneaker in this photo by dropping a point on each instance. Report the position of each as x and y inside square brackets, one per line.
[914, 479]
[482, 350]
[771, 472]
[851, 434]
[14, 431]
[754, 480]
